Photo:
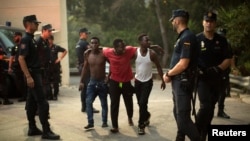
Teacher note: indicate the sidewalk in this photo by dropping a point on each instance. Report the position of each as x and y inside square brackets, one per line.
[68, 120]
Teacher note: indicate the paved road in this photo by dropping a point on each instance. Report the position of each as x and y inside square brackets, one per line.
[68, 121]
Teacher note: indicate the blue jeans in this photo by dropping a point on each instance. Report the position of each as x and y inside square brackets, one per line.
[94, 88]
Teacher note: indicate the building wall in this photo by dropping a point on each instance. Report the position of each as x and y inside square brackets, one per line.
[46, 11]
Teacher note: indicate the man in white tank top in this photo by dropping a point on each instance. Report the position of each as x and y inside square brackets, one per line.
[143, 79]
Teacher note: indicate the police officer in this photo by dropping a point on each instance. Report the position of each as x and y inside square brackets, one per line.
[55, 66]
[226, 83]
[31, 67]
[3, 79]
[214, 59]
[81, 46]
[15, 69]
[44, 55]
[181, 75]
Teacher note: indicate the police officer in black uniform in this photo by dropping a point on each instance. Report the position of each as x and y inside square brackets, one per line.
[214, 59]
[55, 66]
[31, 67]
[81, 46]
[15, 69]
[44, 56]
[3, 79]
[182, 75]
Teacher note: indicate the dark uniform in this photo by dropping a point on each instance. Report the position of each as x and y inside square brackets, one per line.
[36, 98]
[44, 56]
[3, 80]
[226, 83]
[18, 74]
[81, 47]
[212, 53]
[185, 47]
[55, 69]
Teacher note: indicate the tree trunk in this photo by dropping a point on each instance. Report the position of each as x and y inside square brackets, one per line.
[163, 35]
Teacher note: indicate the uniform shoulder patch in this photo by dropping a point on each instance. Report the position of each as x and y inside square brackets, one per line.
[186, 44]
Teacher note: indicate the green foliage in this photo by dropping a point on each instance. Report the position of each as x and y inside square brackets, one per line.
[126, 19]
[236, 21]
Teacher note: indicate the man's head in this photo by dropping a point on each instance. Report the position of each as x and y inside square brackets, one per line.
[119, 46]
[30, 23]
[95, 42]
[17, 37]
[210, 16]
[47, 31]
[209, 21]
[83, 33]
[144, 40]
[179, 13]
[179, 17]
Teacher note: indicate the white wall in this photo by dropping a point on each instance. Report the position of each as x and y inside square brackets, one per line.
[46, 11]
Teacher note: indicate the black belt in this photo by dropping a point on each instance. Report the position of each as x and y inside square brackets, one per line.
[176, 77]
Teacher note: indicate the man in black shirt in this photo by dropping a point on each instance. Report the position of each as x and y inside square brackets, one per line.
[31, 67]
[214, 59]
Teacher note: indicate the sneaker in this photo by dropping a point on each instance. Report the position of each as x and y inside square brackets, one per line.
[89, 126]
[141, 131]
[147, 122]
[130, 122]
[104, 125]
[114, 130]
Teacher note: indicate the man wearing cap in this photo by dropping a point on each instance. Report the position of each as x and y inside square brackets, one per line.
[14, 68]
[57, 53]
[31, 67]
[44, 56]
[215, 57]
[181, 75]
[81, 46]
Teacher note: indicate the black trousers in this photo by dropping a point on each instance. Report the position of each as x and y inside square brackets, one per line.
[115, 91]
[208, 92]
[143, 90]
[37, 101]
[182, 111]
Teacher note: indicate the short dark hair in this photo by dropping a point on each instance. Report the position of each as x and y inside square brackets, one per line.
[116, 42]
[96, 38]
[17, 33]
[141, 36]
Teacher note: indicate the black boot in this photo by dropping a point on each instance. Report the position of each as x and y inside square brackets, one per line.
[48, 134]
[34, 131]
[222, 114]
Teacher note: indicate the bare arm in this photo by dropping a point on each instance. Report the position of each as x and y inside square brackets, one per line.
[30, 81]
[10, 64]
[154, 59]
[61, 56]
[84, 72]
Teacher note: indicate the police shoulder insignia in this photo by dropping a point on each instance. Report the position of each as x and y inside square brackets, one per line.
[186, 44]
[23, 46]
